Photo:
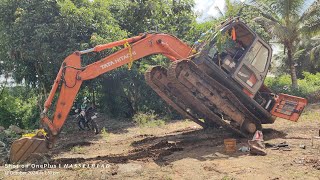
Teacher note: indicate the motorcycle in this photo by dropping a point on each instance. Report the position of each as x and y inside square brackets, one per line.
[86, 119]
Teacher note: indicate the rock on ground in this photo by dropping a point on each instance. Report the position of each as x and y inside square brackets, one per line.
[16, 129]
[2, 128]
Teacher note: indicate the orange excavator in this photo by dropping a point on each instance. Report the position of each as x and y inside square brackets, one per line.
[217, 82]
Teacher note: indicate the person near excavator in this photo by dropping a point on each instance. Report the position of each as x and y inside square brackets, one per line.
[84, 104]
[84, 107]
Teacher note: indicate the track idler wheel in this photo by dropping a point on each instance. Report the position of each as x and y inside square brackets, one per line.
[249, 127]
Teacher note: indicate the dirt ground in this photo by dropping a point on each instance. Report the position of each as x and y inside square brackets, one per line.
[177, 150]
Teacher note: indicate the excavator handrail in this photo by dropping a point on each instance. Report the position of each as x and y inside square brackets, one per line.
[102, 47]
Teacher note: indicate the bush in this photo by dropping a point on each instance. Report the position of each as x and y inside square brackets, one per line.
[18, 110]
[309, 85]
[147, 119]
[123, 93]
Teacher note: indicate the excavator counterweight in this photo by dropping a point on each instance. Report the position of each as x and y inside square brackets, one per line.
[216, 83]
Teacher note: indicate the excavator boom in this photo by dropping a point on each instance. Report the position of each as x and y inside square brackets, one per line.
[72, 74]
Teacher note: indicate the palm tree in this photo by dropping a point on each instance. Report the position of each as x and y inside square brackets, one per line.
[231, 9]
[310, 60]
[286, 21]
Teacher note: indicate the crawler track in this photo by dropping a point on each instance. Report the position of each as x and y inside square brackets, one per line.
[211, 99]
[156, 78]
[196, 96]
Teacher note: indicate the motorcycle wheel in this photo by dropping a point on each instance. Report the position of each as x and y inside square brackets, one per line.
[81, 124]
[94, 127]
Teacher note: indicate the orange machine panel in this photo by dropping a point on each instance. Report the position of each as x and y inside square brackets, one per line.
[288, 107]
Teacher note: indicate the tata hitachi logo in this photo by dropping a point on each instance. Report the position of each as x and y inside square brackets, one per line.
[116, 61]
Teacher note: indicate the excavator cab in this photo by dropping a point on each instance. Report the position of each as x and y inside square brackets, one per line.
[241, 64]
[244, 56]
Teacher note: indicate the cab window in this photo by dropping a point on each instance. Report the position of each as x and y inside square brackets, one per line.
[258, 57]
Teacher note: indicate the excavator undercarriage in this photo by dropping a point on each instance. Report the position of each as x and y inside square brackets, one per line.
[197, 96]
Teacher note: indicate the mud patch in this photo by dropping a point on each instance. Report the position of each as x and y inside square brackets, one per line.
[73, 144]
[143, 141]
[314, 162]
[153, 152]
[151, 148]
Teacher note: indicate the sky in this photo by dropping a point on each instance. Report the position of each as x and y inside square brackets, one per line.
[207, 7]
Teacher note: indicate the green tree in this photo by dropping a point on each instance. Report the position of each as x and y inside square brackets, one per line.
[286, 21]
[127, 89]
[41, 33]
[35, 38]
[306, 56]
[246, 13]
[170, 16]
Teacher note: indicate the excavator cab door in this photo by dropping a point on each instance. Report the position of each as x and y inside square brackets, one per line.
[253, 67]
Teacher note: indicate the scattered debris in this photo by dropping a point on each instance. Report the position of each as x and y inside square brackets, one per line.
[315, 163]
[302, 146]
[244, 149]
[3, 153]
[283, 144]
[315, 142]
[7, 136]
[230, 145]
[286, 149]
[269, 145]
[221, 155]
[280, 146]
[257, 146]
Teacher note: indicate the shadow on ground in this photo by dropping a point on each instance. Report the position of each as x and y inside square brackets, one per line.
[269, 134]
[200, 144]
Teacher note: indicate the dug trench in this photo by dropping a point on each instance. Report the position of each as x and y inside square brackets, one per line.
[153, 148]
[156, 148]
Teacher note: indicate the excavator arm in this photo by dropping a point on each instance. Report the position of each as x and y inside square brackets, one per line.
[72, 74]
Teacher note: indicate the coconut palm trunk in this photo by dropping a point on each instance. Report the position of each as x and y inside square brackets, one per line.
[293, 71]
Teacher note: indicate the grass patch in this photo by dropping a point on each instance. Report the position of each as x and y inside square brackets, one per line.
[148, 119]
[227, 178]
[104, 134]
[310, 114]
[77, 150]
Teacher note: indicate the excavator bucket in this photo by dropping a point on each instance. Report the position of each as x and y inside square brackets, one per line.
[27, 147]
